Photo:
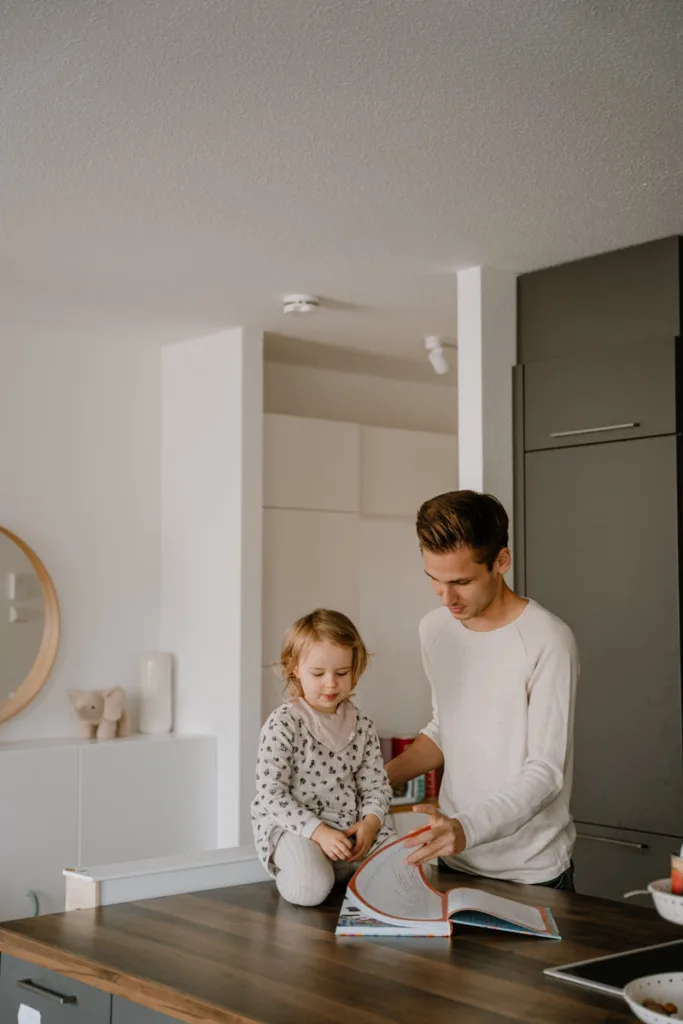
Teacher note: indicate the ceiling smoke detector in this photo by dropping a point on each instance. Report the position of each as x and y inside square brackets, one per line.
[300, 303]
[435, 353]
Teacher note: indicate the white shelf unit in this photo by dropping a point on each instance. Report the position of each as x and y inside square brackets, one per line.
[69, 802]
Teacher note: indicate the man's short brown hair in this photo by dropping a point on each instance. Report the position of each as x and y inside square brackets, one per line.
[464, 518]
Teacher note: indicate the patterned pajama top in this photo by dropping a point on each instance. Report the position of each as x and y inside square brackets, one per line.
[308, 773]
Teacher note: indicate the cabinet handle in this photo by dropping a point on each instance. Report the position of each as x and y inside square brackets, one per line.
[594, 430]
[47, 993]
[613, 842]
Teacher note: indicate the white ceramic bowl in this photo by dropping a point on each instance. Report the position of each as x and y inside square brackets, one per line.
[666, 904]
[664, 988]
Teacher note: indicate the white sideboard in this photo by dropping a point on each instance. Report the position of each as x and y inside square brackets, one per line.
[71, 803]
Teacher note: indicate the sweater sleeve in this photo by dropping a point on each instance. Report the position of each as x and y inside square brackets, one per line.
[274, 778]
[552, 689]
[372, 782]
[432, 731]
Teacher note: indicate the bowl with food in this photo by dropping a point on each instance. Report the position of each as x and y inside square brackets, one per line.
[667, 904]
[657, 998]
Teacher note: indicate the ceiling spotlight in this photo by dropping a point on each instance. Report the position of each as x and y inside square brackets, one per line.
[300, 303]
[435, 353]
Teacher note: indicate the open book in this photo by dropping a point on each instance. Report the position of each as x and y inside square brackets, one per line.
[386, 896]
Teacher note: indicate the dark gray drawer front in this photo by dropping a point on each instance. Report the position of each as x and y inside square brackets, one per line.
[611, 396]
[59, 1000]
[610, 862]
[125, 1012]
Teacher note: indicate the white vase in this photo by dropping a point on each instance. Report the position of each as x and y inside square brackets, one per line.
[156, 693]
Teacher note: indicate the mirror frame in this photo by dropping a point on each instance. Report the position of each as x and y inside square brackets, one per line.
[49, 644]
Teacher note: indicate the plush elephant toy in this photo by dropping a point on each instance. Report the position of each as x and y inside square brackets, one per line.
[100, 713]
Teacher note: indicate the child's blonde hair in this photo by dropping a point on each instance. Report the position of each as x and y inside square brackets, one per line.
[314, 628]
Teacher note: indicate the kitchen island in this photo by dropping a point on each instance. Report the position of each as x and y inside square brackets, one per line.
[242, 955]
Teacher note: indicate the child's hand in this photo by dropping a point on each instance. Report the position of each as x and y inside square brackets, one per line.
[365, 832]
[332, 842]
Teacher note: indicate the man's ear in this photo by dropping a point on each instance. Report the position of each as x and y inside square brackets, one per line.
[503, 561]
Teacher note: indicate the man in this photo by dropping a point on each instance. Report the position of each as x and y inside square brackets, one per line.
[503, 673]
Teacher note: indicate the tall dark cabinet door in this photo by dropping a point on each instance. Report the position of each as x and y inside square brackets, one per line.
[602, 553]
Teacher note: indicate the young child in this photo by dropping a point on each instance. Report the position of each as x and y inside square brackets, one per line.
[323, 795]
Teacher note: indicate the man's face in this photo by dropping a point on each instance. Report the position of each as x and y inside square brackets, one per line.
[465, 586]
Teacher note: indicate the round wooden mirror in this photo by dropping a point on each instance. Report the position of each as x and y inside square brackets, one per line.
[29, 624]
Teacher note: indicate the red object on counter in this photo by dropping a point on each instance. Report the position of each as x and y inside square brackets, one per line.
[401, 743]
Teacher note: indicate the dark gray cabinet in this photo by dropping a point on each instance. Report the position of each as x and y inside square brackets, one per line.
[59, 1000]
[599, 523]
[602, 397]
[601, 552]
[602, 302]
[611, 862]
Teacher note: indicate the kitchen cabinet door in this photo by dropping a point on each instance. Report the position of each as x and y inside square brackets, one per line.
[310, 560]
[590, 399]
[53, 997]
[602, 553]
[402, 468]
[310, 464]
[610, 862]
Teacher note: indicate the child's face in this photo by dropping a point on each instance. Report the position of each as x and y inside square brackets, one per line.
[324, 672]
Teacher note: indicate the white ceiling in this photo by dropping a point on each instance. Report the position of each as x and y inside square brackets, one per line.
[174, 167]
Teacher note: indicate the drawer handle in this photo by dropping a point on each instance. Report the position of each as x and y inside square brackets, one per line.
[613, 842]
[47, 993]
[594, 430]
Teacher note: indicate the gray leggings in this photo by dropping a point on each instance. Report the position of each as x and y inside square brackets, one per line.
[303, 873]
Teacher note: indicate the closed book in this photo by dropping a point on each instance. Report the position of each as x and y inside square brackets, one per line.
[433, 781]
[420, 788]
[400, 744]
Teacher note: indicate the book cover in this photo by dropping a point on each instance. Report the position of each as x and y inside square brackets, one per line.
[412, 792]
[433, 782]
[354, 923]
[400, 744]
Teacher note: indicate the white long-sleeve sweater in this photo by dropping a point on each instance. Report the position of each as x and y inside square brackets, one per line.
[503, 715]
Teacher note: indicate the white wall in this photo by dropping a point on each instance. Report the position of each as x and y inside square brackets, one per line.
[359, 398]
[79, 482]
[212, 424]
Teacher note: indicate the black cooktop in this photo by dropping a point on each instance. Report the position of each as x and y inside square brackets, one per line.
[611, 973]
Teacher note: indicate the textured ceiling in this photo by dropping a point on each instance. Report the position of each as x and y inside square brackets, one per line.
[173, 167]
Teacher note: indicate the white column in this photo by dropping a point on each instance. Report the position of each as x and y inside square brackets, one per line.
[487, 351]
[212, 465]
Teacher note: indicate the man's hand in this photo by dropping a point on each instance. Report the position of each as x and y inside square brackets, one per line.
[365, 832]
[332, 842]
[445, 837]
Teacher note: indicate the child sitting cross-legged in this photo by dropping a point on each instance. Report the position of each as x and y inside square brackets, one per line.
[322, 793]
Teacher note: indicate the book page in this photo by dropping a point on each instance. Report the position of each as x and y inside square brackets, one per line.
[496, 906]
[392, 889]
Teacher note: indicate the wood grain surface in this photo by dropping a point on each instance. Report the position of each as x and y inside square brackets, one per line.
[243, 955]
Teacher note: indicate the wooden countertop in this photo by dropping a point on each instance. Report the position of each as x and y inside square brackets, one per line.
[243, 955]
